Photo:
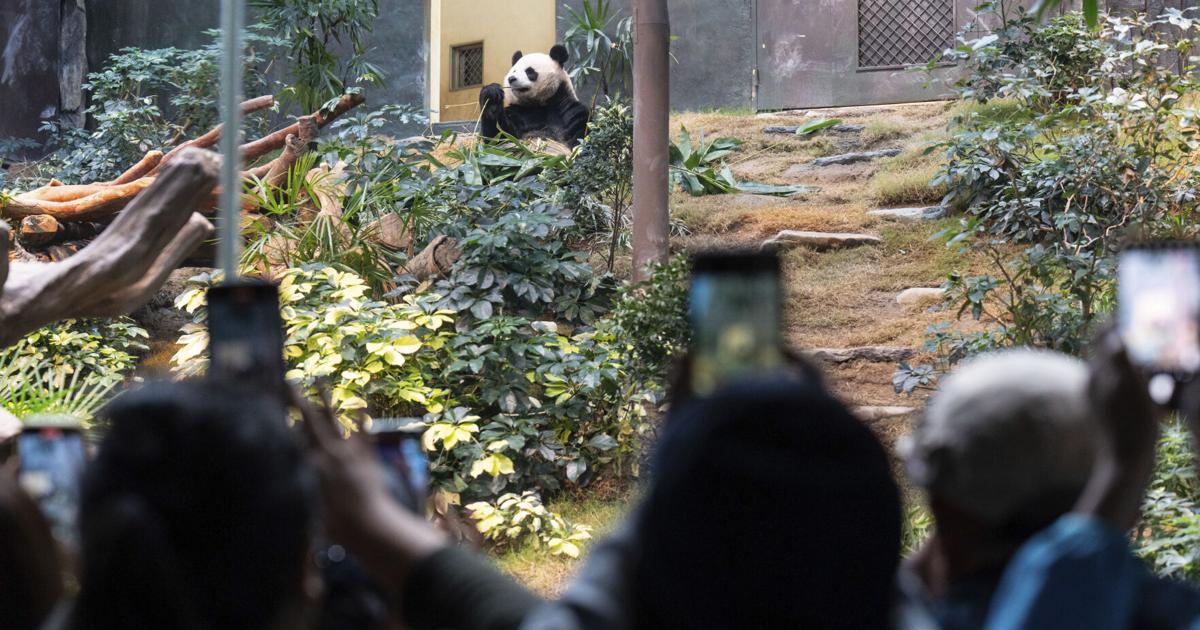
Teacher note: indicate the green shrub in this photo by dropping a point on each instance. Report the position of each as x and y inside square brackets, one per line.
[149, 99]
[513, 517]
[312, 30]
[71, 367]
[375, 354]
[1051, 198]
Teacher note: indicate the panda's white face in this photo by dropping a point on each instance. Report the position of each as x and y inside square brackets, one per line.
[533, 80]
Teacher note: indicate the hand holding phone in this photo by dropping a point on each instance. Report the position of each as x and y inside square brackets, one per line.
[245, 336]
[1158, 314]
[53, 455]
[735, 308]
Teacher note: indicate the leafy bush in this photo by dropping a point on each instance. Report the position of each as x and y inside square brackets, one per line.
[1168, 536]
[513, 517]
[71, 367]
[599, 182]
[376, 354]
[1050, 198]
[148, 99]
[601, 51]
[313, 29]
[700, 169]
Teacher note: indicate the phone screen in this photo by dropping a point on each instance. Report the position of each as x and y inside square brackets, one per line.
[735, 309]
[1159, 308]
[245, 335]
[52, 461]
[399, 450]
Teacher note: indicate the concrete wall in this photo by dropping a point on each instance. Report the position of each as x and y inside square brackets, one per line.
[31, 32]
[713, 50]
[29, 89]
[525, 25]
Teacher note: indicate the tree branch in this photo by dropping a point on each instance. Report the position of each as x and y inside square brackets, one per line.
[121, 269]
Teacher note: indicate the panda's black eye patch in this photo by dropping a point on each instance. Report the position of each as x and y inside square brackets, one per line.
[531, 73]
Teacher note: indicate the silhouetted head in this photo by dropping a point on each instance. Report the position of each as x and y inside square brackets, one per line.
[1006, 445]
[196, 513]
[30, 561]
[770, 507]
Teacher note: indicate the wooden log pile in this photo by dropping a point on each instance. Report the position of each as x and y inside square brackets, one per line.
[56, 220]
[123, 267]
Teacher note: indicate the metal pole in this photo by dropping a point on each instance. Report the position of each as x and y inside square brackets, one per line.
[651, 114]
[229, 246]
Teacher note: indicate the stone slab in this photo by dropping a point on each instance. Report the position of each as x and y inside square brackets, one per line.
[926, 213]
[870, 354]
[791, 130]
[853, 158]
[822, 240]
[920, 295]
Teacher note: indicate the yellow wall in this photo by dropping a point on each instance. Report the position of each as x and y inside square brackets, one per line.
[504, 27]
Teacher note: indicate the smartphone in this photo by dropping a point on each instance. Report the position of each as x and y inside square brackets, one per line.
[1158, 312]
[398, 445]
[52, 456]
[735, 309]
[245, 336]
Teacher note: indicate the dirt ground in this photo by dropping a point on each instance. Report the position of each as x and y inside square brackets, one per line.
[844, 298]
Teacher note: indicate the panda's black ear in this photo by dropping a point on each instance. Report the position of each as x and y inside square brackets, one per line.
[559, 53]
[517, 57]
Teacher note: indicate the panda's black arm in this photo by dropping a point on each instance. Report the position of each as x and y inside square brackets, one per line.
[575, 122]
[491, 103]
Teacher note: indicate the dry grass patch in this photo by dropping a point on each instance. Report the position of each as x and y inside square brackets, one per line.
[907, 186]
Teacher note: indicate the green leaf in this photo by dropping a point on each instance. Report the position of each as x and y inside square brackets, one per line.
[819, 124]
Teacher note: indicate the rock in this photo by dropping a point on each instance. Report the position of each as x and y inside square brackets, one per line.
[38, 230]
[920, 295]
[842, 128]
[389, 231]
[159, 316]
[852, 158]
[872, 354]
[869, 413]
[926, 213]
[822, 240]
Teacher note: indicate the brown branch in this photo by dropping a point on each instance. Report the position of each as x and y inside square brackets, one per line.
[139, 170]
[214, 135]
[97, 202]
[120, 270]
[253, 150]
[295, 146]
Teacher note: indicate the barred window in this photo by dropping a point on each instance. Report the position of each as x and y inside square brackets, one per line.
[894, 33]
[467, 66]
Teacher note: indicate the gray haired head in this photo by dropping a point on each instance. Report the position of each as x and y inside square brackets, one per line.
[1006, 434]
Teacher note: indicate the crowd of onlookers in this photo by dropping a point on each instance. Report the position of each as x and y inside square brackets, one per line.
[768, 505]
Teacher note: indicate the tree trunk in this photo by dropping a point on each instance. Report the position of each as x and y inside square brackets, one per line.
[651, 112]
[124, 266]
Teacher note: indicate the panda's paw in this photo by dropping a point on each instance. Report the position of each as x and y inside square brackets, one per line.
[491, 96]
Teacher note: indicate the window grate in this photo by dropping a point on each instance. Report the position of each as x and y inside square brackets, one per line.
[468, 66]
[894, 33]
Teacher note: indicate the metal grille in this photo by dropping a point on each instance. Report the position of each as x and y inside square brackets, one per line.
[468, 66]
[903, 32]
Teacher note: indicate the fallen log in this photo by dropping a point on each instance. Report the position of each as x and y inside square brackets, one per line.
[122, 268]
[253, 150]
[139, 170]
[214, 135]
[78, 203]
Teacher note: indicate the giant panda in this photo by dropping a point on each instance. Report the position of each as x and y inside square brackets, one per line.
[537, 101]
